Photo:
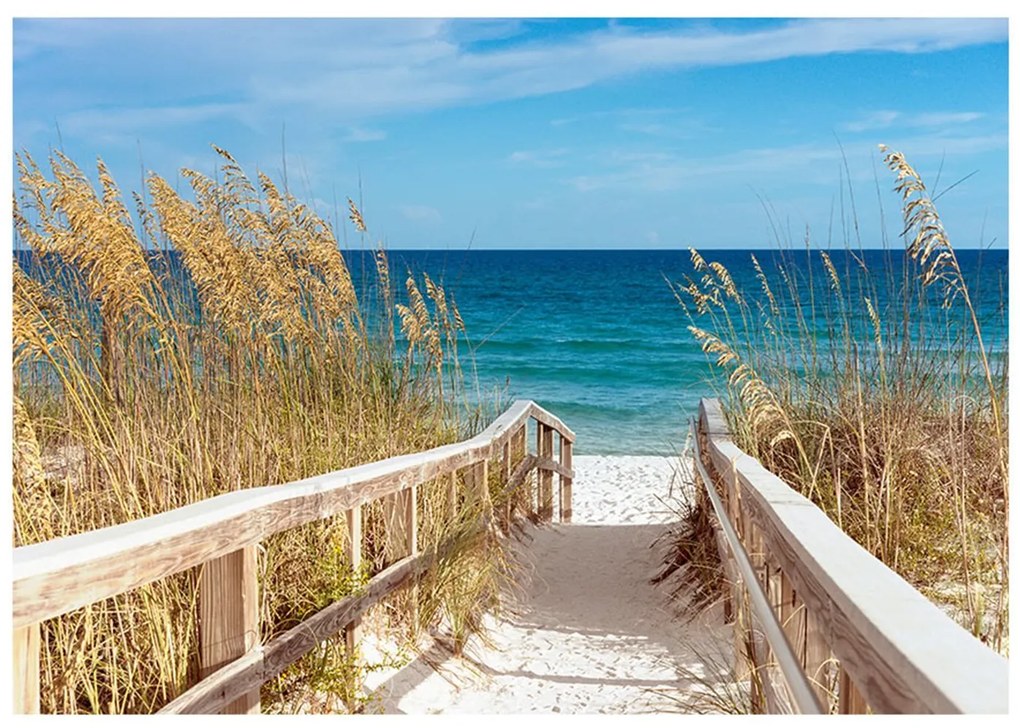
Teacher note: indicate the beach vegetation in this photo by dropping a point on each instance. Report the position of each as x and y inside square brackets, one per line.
[208, 340]
[877, 392]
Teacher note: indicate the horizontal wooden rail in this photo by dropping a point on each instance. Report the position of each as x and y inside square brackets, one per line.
[58, 576]
[55, 577]
[897, 652]
[800, 687]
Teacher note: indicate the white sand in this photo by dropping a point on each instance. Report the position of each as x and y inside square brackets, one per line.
[587, 633]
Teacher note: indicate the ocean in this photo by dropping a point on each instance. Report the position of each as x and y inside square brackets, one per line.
[598, 338]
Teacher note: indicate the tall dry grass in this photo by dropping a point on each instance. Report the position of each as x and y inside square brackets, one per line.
[212, 341]
[875, 393]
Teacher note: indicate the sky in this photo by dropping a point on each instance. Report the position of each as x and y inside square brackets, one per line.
[544, 133]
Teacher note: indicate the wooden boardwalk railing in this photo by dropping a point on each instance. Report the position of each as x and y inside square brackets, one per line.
[864, 638]
[220, 535]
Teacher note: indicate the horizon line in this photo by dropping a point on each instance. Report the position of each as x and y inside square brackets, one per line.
[770, 248]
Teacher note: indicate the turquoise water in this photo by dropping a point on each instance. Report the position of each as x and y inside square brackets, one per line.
[598, 338]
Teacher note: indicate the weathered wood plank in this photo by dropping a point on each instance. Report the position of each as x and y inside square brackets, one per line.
[25, 670]
[505, 470]
[544, 448]
[550, 465]
[566, 481]
[57, 576]
[521, 472]
[806, 639]
[410, 508]
[851, 702]
[908, 656]
[520, 443]
[482, 493]
[352, 631]
[551, 421]
[818, 660]
[228, 617]
[781, 701]
[451, 495]
[411, 519]
[255, 668]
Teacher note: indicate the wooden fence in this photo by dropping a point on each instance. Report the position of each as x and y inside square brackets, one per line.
[220, 535]
[865, 640]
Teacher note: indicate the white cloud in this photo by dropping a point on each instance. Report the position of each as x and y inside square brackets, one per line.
[884, 119]
[422, 214]
[134, 119]
[872, 120]
[359, 69]
[649, 128]
[538, 158]
[666, 172]
[945, 118]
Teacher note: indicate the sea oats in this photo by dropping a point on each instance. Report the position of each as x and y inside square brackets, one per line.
[876, 323]
[355, 216]
[697, 260]
[833, 275]
[147, 380]
[727, 282]
[929, 243]
[760, 274]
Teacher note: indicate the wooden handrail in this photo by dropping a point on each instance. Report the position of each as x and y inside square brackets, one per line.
[58, 576]
[897, 652]
[800, 688]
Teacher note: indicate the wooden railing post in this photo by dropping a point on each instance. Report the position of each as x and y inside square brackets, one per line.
[850, 700]
[400, 523]
[411, 529]
[544, 448]
[451, 496]
[520, 451]
[25, 674]
[805, 637]
[566, 483]
[228, 614]
[480, 473]
[411, 519]
[505, 471]
[352, 631]
[397, 520]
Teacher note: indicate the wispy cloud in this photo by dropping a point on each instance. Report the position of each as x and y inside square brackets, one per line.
[945, 118]
[97, 121]
[360, 69]
[872, 120]
[667, 172]
[886, 118]
[538, 157]
[676, 123]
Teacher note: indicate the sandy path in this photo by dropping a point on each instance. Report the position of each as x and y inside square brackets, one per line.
[587, 633]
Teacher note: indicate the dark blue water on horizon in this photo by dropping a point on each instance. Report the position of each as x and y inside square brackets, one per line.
[598, 338]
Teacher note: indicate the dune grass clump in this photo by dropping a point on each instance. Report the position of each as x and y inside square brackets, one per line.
[875, 393]
[209, 342]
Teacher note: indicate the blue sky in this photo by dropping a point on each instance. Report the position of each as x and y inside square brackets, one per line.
[545, 133]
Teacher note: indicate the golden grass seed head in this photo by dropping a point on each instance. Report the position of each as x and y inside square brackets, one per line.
[355, 216]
